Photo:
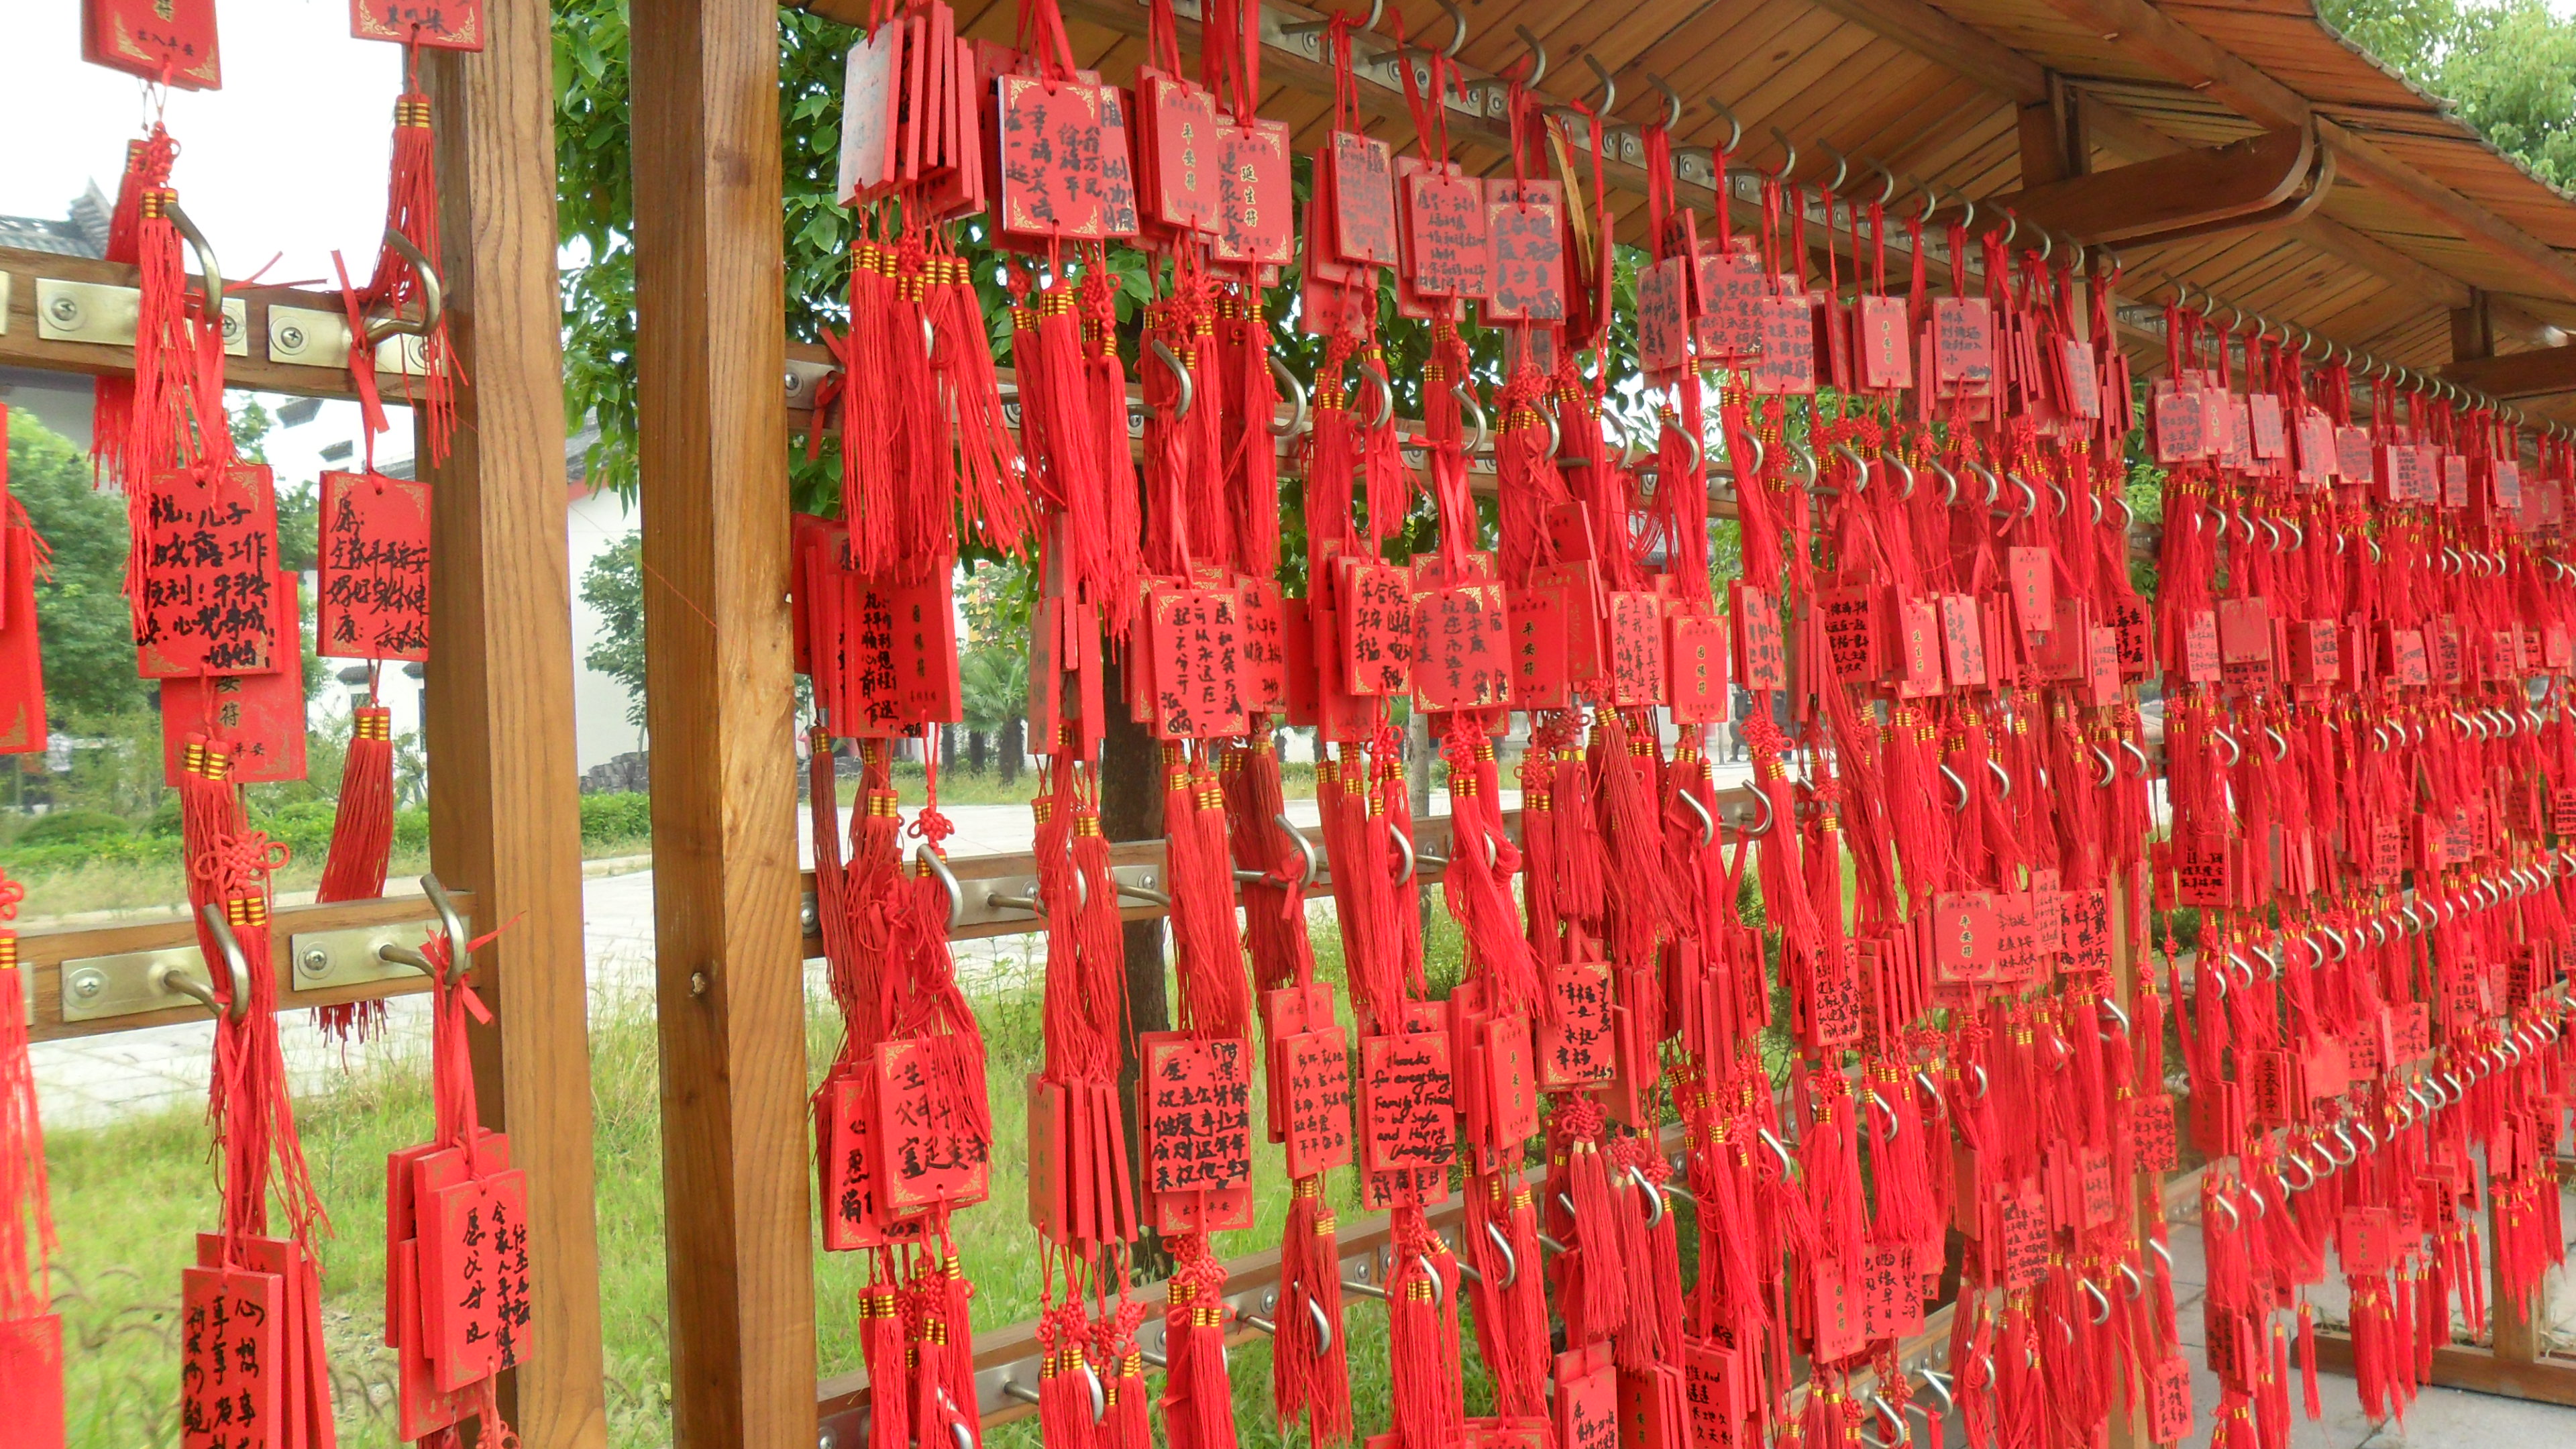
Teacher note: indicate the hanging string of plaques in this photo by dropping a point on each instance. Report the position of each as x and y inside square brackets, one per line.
[2366, 737]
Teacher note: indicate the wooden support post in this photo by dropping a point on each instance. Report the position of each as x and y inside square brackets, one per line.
[505, 819]
[720, 703]
[2472, 329]
[2128, 1428]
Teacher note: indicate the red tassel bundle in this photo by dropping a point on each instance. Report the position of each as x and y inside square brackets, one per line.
[31, 1333]
[362, 841]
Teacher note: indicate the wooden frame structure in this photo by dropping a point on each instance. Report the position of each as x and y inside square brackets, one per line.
[2408, 238]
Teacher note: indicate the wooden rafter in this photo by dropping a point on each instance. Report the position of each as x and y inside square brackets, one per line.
[2145, 200]
[2192, 59]
[2541, 372]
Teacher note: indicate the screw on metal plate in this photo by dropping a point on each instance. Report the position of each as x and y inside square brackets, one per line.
[353, 955]
[97, 988]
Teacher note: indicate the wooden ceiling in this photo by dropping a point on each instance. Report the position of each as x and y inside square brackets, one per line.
[2424, 219]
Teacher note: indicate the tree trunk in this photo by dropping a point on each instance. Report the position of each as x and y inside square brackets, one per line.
[1131, 808]
[1015, 745]
[975, 753]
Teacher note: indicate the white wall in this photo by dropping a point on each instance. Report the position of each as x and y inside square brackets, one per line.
[596, 521]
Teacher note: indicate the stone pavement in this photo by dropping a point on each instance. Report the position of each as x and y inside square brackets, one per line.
[2439, 1418]
[92, 1081]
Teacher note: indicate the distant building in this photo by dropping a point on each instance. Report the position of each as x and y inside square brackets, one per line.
[596, 520]
[59, 400]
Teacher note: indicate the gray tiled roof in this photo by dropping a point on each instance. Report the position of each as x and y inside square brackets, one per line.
[83, 233]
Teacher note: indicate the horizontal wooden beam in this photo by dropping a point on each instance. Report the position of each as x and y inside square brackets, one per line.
[22, 343]
[2146, 200]
[2547, 1380]
[2541, 372]
[42, 950]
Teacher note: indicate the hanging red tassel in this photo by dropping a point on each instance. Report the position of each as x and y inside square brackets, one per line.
[362, 838]
[31, 1333]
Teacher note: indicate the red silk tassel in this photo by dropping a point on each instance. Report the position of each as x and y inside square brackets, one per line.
[1427, 1401]
[989, 496]
[362, 839]
[1595, 1302]
[411, 211]
[883, 1351]
[31, 1380]
[1304, 1381]
[1198, 1399]
[1129, 1423]
[112, 398]
[1065, 1380]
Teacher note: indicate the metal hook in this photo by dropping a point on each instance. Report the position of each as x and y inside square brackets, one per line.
[206, 263]
[460, 960]
[1734, 127]
[1672, 100]
[433, 295]
[1466, 397]
[1707, 822]
[1842, 168]
[1296, 409]
[1763, 827]
[1887, 178]
[1654, 1194]
[1374, 375]
[1788, 165]
[937, 864]
[1609, 85]
[1404, 845]
[1180, 374]
[236, 968]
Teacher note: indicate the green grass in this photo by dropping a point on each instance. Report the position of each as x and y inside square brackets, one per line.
[105, 863]
[128, 1198]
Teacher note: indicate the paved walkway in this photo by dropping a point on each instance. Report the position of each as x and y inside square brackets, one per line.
[2439, 1419]
[92, 1081]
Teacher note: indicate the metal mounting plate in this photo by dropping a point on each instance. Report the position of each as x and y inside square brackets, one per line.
[99, 987]
[97, 313]
[307, 337]
[348, 957]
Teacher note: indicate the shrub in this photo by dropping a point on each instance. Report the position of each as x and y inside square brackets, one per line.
[69, 825]
[611, 816]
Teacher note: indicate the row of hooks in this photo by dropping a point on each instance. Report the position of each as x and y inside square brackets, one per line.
[2315, 349]
[1714, 169]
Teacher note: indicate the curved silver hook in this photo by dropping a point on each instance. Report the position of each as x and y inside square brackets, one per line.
[1371, 372]
[460, 960]
[1311, 867]
[1503, 1245]
[1466, 397]
[1654, 1195]
[1672, 101]
[1707, 822]
[236, 966]
[932, 862]
[1296, 409]
[1609, 85]
[1734, 127]
[1180, 374]
[206, 263]
[433, 295]
[1404, 845]
[1788, 165]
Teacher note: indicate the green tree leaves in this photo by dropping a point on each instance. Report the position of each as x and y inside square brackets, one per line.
[87, 635]
[614, 585]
